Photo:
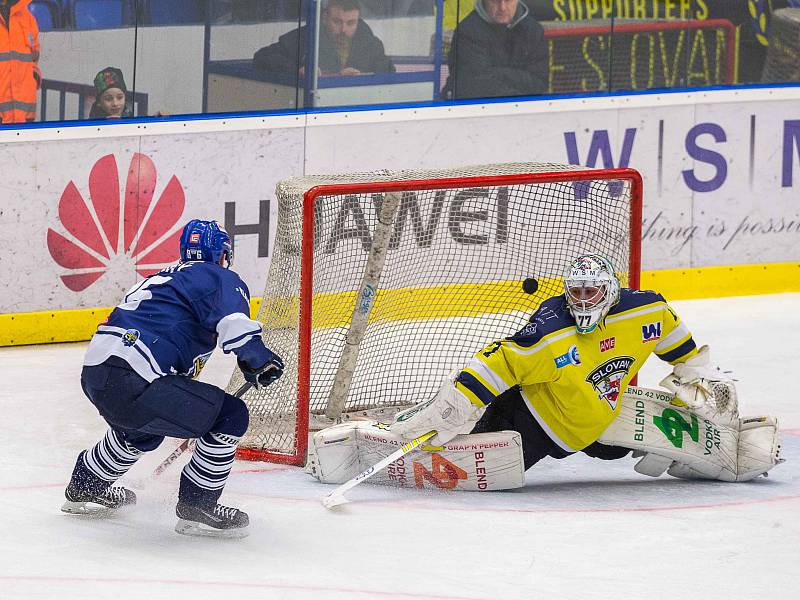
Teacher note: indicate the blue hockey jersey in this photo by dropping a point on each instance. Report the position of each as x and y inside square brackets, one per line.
[169, 323]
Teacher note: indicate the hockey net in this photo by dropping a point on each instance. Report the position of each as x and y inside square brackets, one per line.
[463, 257]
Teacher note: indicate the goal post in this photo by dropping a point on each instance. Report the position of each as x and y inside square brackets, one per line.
[380, 284]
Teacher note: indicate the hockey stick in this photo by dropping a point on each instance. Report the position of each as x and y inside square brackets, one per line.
[363, 307]
[173, 456]
[336, 497]
[190, 443]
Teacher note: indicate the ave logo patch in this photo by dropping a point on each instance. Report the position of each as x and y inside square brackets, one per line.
[651, 332]
[608, 344]
[607, 378]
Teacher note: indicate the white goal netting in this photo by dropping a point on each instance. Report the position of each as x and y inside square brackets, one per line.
[459, 245]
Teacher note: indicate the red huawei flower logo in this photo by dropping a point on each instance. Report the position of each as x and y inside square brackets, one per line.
[117, 232]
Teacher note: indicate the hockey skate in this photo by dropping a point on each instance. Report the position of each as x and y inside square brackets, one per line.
[219, 521]
[84, 502]
[87, 494]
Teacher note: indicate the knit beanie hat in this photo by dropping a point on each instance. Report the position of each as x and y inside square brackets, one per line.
[110, 77]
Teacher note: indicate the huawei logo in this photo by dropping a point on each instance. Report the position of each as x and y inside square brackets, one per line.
[113, 231]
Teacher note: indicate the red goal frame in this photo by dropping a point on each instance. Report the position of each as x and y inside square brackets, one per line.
[307, 251]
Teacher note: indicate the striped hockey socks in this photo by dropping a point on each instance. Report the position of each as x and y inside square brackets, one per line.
[89, 489]
[111, 457]
[205, 475]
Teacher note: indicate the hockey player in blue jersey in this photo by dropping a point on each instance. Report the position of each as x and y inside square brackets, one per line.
[139, 372]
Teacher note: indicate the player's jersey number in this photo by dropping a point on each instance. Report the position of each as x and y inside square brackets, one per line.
[141, 292]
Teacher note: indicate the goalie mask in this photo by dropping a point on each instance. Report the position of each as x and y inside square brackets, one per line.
[206, 241]
[592, 289]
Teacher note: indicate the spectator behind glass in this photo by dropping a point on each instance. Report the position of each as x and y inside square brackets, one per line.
[347, 46]
[19, 62]
[498, 50]
[111, 99]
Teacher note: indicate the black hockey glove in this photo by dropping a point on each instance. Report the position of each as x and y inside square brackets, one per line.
[264, 375]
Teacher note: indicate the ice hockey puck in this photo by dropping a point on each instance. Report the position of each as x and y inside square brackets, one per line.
[530, 285]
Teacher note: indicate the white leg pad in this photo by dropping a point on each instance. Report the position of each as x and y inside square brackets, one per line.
[759, 447]
[472, 462]
[651, 464]
[671, 437]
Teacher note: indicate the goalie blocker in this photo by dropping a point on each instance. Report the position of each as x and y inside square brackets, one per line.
[663, 433]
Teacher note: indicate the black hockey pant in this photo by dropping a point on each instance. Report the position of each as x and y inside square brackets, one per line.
[509, 412]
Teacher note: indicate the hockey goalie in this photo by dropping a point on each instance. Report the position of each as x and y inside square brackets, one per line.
[561, 386]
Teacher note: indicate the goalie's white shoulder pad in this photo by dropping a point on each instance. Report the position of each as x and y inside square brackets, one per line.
[473, 462]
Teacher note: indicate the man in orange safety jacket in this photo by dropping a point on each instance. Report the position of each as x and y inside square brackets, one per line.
[19, 62]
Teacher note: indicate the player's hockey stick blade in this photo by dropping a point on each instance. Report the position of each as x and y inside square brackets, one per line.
[189, 444]
[336, 497]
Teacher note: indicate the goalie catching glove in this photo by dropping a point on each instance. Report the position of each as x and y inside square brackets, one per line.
[449, 413]
[705, 389]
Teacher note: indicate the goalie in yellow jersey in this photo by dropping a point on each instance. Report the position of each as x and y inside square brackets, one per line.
[558, 387]
[558, 381]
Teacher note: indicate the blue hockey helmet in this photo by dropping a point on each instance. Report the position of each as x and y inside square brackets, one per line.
[206, 241]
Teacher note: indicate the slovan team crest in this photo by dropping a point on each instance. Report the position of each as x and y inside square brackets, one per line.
[607, 378]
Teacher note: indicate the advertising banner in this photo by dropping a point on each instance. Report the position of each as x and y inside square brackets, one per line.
[722, 179]
[82, 219]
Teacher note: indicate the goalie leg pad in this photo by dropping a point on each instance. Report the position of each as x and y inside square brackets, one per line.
[651, 464]
[759, 447]
[473, 462]
[688, 445]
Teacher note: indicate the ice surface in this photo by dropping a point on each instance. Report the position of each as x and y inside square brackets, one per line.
[581, 529]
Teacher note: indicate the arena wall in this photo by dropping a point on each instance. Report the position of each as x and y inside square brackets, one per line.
[721, 171]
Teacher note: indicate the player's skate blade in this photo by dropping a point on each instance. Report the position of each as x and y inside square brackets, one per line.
[220, 521]
[89, 509]
[80, 502]
[199, 529]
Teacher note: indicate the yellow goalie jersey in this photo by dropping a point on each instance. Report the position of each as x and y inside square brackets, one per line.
[571, 382]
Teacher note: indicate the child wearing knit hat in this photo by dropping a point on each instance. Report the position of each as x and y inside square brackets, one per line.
[111, 100]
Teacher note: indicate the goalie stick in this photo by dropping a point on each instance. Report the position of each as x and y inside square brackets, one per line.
[364, 303]
[336, 497]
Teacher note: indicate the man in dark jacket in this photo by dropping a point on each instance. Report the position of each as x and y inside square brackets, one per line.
[347, 46]
[498, 50]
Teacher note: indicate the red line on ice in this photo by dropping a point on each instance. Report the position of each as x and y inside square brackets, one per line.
[243, 584]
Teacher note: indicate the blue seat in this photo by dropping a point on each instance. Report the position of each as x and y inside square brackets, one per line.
[100, 14]
[175, 12]
[47, 14]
